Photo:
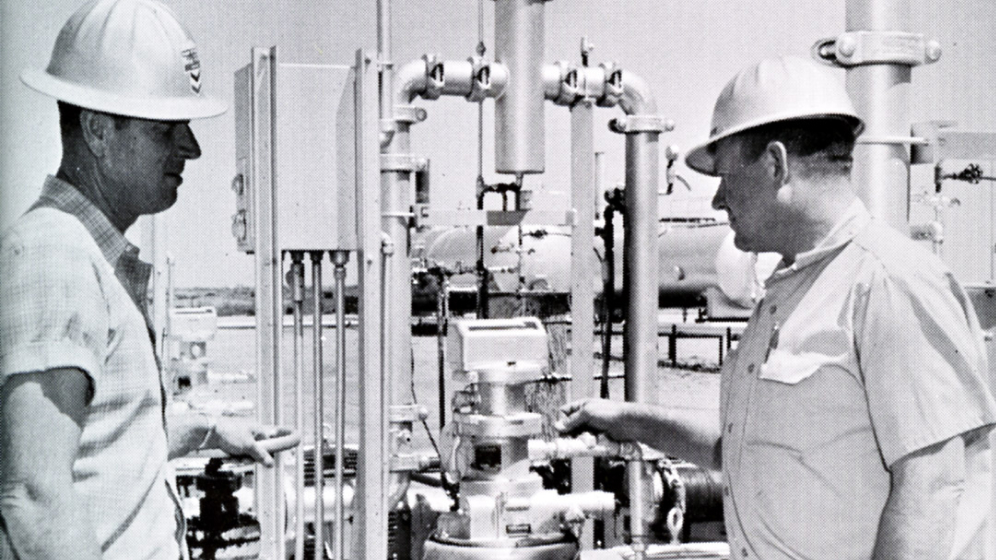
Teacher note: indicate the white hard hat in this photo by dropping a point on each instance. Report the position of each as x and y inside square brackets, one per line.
[126, 57]
[775, 89]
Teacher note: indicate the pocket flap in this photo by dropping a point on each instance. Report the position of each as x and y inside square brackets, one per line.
[791, 367]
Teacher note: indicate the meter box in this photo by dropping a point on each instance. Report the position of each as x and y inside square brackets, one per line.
[483, 343]
[294, 150]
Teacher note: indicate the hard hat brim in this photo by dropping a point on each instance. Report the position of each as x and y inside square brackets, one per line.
[162, 109]
[700, 159]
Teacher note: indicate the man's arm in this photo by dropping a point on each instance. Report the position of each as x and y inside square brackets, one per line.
[691, 434]
[237, 437]
[918, 519]
[41, 419]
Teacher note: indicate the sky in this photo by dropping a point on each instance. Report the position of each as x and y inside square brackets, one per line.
[685, 49]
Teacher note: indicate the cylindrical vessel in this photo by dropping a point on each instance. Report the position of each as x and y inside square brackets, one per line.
[881, 94]
[519, 133]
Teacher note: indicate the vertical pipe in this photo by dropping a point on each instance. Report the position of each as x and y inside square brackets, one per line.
[881, 94]
[519, 43]
[384, 58]
[339, 260]
[640, 277]
[297, 293]
[582, 289]
[319, 387]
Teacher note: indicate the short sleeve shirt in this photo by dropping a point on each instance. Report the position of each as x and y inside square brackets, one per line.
[862, 351]
[65, 269]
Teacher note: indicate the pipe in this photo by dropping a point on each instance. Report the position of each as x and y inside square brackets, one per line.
[881, 95]
[316, 331]
[297, 294]
[640, 276]
[411, 81]
[519, 127]
[384, 57]
[339, 260]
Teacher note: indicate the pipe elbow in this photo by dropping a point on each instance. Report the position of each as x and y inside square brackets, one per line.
[637, 99]
[410, 81]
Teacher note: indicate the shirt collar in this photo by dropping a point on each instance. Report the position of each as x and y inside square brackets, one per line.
[853, 220]
[112, 243]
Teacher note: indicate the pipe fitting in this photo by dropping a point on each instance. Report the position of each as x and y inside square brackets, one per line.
[636, 98]
[615, 86]
[863, 48]
[487, 79]
[435, 76]
[410, 81]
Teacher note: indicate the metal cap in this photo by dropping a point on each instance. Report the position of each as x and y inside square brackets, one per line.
[775, 89]
[126, 57]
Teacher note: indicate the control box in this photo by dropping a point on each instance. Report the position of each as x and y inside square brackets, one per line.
[294, 150]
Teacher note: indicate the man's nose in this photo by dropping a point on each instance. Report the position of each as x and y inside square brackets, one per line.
[187, 145]
[719, 200]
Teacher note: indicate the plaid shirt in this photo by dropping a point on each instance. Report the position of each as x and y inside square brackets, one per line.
[73, 294]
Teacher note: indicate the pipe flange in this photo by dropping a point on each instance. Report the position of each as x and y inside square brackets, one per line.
[862, 48]
[487, 79]
[409, 114]
[567, 83]
[632, 124]
[435, 76]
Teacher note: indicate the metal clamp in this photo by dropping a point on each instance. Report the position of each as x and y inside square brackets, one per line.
[488, 79]
[632, 124]
[435, 77]
[614, 88]
[409, 114]
[858, 48]
[402, 162]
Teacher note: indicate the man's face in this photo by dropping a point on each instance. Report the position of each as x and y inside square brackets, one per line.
[144, 164]
[749, 196]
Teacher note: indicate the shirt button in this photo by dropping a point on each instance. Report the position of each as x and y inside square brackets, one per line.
[773, 309]
[729, 428]
[743, 552]
[750, 368]
[726, 490]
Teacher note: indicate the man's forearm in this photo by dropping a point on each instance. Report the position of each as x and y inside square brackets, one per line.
[691, 434]
[918, 519]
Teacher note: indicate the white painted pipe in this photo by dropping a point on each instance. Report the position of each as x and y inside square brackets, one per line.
[881, 94]
[297, 294]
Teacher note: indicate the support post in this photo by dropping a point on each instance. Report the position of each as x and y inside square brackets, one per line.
[269, 485]
[371, 498]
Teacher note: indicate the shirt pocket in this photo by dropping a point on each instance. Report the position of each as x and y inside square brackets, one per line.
[791, 367]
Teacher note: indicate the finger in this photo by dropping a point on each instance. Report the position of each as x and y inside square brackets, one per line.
[572, 407]
[260, 455]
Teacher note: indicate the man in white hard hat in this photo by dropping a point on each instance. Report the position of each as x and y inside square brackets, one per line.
[84, 434]
[855, 413]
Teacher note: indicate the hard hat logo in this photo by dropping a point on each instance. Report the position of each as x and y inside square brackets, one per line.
[192, 65]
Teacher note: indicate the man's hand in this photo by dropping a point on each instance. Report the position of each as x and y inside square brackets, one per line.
[238, 438]
[598, 416]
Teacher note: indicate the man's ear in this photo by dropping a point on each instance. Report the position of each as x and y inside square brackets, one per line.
[96, 128]
[776, 162]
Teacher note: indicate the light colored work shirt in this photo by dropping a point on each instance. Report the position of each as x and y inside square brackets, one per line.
[861, 352]
[69, 291]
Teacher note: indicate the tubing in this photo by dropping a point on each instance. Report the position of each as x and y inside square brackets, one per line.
[519, 127]
[316, 330]
[297, 293]
[881, 95]
[339, 260]
[640, 279]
